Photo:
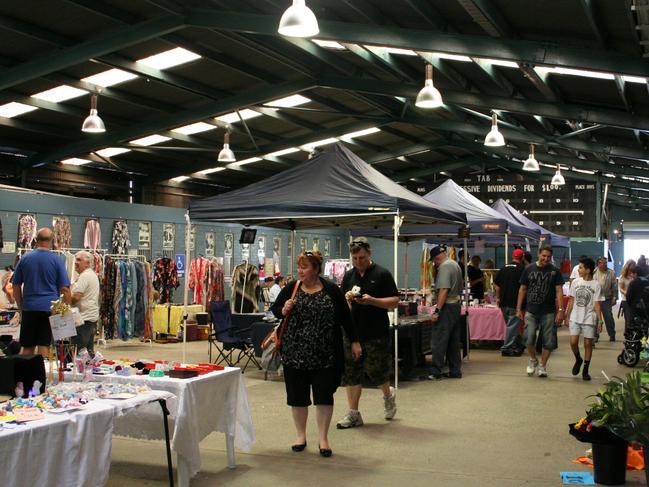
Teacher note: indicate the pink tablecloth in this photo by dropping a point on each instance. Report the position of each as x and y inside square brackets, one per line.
[486, 324]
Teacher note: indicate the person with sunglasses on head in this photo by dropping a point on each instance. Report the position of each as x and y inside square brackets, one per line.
[370, 291]
[312, 346]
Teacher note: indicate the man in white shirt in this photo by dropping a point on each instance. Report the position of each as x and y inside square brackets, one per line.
[85, 296]
[280, 282]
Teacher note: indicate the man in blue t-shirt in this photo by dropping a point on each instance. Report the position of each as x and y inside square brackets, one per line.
[39, 279]
[541, 283]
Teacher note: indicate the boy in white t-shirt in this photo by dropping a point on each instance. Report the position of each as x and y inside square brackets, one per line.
[584, 314]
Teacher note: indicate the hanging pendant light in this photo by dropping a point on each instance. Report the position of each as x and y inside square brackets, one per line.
[558, 179]
[298, 21]
[531, 164]
[93, 124]
[494, 138]
[226, 154]
[429, 96]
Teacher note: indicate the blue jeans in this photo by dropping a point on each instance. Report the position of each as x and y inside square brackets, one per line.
[607, 314]
[544, 323]
[513, 339]
[445, 338]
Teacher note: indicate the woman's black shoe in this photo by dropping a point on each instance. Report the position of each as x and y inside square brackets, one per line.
[325, 452]
[298, 447]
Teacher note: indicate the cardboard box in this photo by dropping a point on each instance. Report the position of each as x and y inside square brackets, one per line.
[203, 332]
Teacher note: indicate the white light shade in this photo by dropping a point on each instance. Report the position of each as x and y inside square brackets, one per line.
[93, 124]
[429, 96]
[298, 21]
[494, 138]
[226, 154]
[558, 179]
[531, 164]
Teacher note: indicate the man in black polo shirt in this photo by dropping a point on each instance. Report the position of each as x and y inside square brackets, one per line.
[507, 283]
[370, 291]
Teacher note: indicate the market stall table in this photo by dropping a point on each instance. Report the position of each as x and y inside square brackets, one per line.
[486, 323]
[70, 448]
[216, 401]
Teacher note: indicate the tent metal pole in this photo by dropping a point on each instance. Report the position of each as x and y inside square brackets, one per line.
[243, 291]
[396, 310]
[186, 283]
[294, 238]
[466, 294]
[506, 248]
[405, 269]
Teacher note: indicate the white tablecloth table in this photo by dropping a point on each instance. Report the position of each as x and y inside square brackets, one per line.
[71, 448]
[211, 402]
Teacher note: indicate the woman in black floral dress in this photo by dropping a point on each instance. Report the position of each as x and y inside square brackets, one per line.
[312, 346]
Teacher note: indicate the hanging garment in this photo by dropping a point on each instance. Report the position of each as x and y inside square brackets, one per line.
[148, 328]
[248, 274]
[27, 228]
[92, 235]
[62, 233]
[120, 241]
[107, 312]
[215, 282]
[140, 298]
[165, 278]
[198, 274]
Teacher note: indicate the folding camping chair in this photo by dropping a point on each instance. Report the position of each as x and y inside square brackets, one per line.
[231, 344]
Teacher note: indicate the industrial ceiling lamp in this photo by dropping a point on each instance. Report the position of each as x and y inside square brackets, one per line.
[558, 179]
[429, 96]
[494, 138]
[531, 164]
[298, 21]
[93, 124]
[226, 154]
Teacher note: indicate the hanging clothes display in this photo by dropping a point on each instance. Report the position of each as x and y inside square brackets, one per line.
[120, 240]
[198, 276]
[62, 233]
[215, 281]
[27, 228]
[92, 235]
[165, 278]
[245, 283]
[335, 269]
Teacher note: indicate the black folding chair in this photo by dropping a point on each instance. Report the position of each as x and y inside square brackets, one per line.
[231, 344]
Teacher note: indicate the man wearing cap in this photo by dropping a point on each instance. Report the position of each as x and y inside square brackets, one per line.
[507, 284]
[446, 318]
[541, 284]
[370, 291]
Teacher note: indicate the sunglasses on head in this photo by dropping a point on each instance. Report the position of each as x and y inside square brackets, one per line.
[356, 244]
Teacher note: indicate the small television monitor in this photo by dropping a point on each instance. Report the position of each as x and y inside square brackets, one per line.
[248, 235]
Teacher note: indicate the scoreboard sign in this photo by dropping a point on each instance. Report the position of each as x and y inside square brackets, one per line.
[567, 210]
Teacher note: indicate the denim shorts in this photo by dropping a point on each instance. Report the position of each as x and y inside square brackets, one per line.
[544, 324]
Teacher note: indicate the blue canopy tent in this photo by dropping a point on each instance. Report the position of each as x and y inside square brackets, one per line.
[501, 206]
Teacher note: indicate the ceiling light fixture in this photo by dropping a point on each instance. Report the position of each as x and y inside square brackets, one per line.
[226, 154]
[298, 21]
[429, 96]
[531, 164]
[494, 138]
[558, 179]
[93, 124]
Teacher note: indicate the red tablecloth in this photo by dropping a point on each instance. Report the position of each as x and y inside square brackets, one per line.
[486, 323]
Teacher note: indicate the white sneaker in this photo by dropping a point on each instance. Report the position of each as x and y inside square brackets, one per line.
[541, 372]
[531, 367]
[351, 420]
[390, 404]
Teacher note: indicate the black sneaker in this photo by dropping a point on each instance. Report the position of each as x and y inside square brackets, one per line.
[453, 376]
[577, 366]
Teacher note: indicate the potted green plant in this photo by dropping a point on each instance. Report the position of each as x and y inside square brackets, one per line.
[622, 408]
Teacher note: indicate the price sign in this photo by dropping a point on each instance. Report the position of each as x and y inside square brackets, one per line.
[63, 326]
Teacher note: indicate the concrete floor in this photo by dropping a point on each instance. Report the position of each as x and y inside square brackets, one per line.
[495, 427]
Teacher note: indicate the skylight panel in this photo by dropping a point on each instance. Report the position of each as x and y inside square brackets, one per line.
[634, 79]
[110, 78]
[329, 44]
[75, 161]
[244, 162]
[194, 128]
[150, 140]
[318, 143]
[112, 151]
[60, 93]
[360, 133]
[283, 152]
[288, 102]
[180, 179]
[501, 62]
[391, 50]
[576, 72]
[231, 118]
[169, 59]
[211, 170]
[452, 57]
[14, 109]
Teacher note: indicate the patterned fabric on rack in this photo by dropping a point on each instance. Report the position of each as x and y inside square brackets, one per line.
[107, 311]
[118, 304]
[62, 233]
[27, 228]
[165, 278]
[198, 276]
[250, 275]
[92, 235]
[120, 241]
[215, 282]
